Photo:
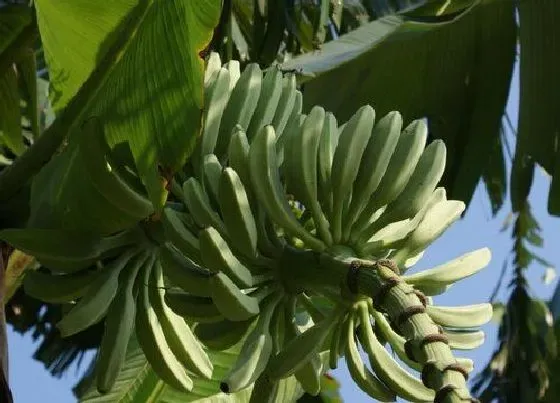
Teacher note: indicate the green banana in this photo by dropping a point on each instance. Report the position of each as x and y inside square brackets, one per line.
[268, 188]
[178, 334]
[460, 316]
[237, 215]
[213, 65]
[437, 219]
[216, 96]
[268, 101]
[218, 257]
[358, 371]
[375, 160]
[448, 273]
[58, 289]
[464, 339]
[327, 147]
[223, 334]
[389, 237]
[198, 204]
[241, 106]
[105, 177]
[386, 368]
[292, 124]
[238, 157]
[309, 375]
[151, 338]
[334, 346]
[301, 160]
[119, 325]
[230, 300]
[179, 235]
[184, 273]
[234, 70]
[91, 308]
[193, 308]
[255, 352]
[67, 251]
[300, 349]
[285, 104]
[401, 166]
[211, 172]
[351, 146]
[417, 191]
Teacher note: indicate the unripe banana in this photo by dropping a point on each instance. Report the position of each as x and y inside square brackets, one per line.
[464, 339]
[327, 147]
[106, 178]
[238, 153]
[58, 289]
[351, 146]
[241, 106]
[193, 308]
[216, 96]
[285, 104]
[198, 204]
[268, 188]
[213, 65]
[386, 368]
[264, 391]
[300, 349]
[417, 191]
[466, 316]
[222, 335]
[179, 235]
[67, 251]
[211, 171]
[152, 339]
[292, 125]
[448, 273]
[234, 72]
[231, 302]
[184, 273]
[301, 167]
[309, 375]
[401, 166]
[268, 101]
[358, 370]
[119, 325]
[254, 353]
[91, 308]
[372, 167]
[236, 212]
[218, 257]
[437, 219]
[392, 235]
[178, 334]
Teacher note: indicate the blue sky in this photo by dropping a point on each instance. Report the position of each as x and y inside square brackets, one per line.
[31, 383]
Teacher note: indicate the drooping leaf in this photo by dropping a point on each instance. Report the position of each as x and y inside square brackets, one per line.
[456, 74]
[143, 73]
[16, 33]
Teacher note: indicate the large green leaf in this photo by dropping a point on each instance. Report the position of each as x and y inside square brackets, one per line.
[456, 74]
[539, 120]
[142, 71]
[138, 383]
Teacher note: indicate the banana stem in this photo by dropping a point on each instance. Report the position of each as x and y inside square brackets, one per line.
[390, 294]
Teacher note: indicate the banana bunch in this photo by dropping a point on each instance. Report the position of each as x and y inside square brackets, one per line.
[275, 200]
[291, 234]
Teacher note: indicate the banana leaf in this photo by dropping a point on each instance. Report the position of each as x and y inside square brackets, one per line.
[135, 65]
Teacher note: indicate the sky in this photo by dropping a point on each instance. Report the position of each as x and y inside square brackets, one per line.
[31, 383]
